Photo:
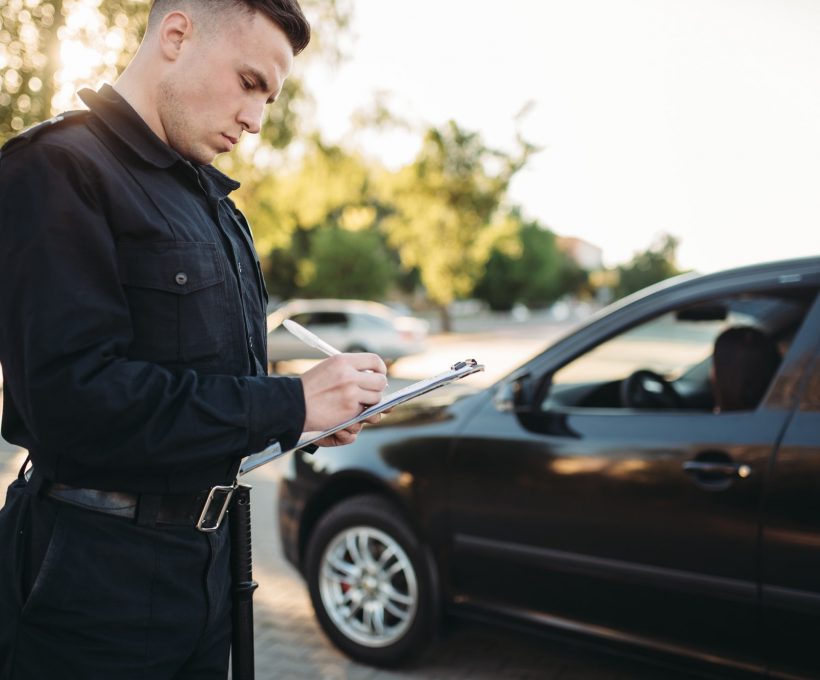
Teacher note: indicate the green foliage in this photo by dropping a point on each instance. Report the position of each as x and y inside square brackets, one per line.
[448, 209]
[329, 186]
[323, 209]
[28, 59]
[281, 268]
[529, 269]
[33, 33]
[347, 264]
[575, 281]
[650, 266]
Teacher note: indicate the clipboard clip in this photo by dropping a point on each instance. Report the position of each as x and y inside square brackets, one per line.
[463, 364]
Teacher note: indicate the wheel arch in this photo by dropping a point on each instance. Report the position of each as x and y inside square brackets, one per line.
[340, 488]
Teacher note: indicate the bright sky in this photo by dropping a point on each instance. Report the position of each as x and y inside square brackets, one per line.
[700, 118]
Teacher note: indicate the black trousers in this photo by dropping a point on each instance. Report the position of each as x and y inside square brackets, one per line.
[86, 595]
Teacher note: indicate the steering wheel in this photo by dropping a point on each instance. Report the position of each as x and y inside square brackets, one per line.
[646, 389]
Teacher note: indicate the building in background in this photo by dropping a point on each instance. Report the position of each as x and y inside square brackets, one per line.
[586, 255]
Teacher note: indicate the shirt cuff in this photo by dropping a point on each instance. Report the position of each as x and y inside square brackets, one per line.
[277, 412]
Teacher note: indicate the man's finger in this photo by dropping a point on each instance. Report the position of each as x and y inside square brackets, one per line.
[367, 361]
[372, 381]
[370, 397]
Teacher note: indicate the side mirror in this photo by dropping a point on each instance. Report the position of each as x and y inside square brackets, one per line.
[518, 394]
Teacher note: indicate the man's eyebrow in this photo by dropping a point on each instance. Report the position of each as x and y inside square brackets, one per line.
[260, 78]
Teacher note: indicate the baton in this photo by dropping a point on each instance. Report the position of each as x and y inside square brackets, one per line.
[242, 660]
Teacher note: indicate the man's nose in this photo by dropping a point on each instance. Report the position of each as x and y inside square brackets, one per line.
[250, 117]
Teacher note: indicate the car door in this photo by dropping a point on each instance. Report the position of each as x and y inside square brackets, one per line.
[635, 525]
[790, 560]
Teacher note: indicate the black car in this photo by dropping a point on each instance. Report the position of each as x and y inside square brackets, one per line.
[652, 480]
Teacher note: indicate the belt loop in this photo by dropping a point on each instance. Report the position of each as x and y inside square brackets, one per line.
[147, 509]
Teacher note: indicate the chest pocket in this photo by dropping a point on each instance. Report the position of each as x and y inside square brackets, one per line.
[178, 301]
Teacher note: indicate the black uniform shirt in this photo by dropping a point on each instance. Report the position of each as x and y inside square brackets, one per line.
[133, 333]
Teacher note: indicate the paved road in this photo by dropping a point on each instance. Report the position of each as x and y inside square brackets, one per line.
[289, 644]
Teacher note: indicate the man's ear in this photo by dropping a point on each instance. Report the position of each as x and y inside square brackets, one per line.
[175, 28]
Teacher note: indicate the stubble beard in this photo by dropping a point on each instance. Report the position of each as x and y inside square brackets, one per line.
[178, 125]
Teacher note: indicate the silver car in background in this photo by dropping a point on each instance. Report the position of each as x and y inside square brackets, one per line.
[348, 325]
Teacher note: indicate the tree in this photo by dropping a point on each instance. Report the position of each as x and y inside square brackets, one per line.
[281, 269]
[29, 54]
[528, 268]
[328, 189]
[649, 266]
[327, 186]
[448, 210]
[347, 264]
[48, 48]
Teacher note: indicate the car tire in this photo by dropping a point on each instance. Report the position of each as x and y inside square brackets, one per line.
[371, 582]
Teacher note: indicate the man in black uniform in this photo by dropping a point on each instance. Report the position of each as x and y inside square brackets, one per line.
[133, 345]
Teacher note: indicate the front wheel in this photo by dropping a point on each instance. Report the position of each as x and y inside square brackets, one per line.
[371, 582]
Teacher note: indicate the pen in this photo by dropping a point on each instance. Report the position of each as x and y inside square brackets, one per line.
[310, 339]
[313, 340]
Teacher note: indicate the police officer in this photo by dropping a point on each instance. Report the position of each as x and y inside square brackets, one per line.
[133, 345]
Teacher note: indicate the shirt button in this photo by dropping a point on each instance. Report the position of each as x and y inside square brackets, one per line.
[250, 341]
[239, 267]
[181, 278]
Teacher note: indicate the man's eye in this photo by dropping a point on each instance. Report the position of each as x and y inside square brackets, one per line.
[246, 84]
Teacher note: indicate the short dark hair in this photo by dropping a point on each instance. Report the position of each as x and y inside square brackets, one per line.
[287, 14]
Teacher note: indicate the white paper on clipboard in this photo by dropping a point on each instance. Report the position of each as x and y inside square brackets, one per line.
[456, 372]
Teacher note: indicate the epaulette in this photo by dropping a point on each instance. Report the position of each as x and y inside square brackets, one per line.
[35, 131]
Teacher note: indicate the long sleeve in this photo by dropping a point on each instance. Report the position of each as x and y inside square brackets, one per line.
[66, 332]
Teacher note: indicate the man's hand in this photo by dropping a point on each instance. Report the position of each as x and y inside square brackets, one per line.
[348, 435]
[339, 388]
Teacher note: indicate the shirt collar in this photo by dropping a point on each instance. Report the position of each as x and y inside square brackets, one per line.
[119, 117]
[220, 182]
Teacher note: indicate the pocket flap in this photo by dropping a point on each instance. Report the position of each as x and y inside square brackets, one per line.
[172, 266]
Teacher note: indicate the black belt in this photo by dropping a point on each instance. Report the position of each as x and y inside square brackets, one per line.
[203, 510]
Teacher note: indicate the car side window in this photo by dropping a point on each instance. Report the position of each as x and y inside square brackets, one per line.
[304, 319]
[717, 355]
[319, 319]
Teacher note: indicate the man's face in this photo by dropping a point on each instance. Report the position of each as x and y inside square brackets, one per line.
[220, 84]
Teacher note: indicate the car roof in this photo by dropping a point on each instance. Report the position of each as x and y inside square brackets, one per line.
[792, 273]
[299, 306]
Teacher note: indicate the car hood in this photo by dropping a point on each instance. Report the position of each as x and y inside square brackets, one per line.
[433, 407]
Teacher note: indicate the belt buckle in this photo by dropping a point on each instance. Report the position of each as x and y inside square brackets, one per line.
[221, 494]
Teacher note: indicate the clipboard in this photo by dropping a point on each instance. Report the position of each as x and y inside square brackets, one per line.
[457, 371]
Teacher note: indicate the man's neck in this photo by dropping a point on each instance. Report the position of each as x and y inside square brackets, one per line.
[129, 86]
